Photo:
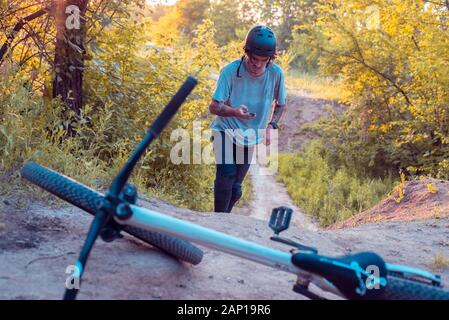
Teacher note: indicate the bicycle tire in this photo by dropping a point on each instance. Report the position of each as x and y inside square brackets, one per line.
[403, 289]
[89, 200]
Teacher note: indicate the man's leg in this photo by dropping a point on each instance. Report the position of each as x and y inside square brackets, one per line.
[241, 171]
[225, 172]
[223, 186]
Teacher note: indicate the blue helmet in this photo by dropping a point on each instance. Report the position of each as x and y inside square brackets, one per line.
[261, 41]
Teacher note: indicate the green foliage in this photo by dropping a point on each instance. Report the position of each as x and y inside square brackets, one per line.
[125, 88]
[129, 87]
[230, 18]
[32, 129]
[191, 14]
[306, 57]
[284, 15]
[395, 76]
[285, 59]
[325, 190]
[314, 86]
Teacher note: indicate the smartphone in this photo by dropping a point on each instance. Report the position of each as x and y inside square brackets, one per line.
[252, 114]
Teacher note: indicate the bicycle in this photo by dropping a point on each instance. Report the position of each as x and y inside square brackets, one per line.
[364, 275]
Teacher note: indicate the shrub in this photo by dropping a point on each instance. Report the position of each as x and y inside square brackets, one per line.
[325, 191]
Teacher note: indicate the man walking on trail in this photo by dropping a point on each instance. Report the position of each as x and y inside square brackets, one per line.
[243, 101]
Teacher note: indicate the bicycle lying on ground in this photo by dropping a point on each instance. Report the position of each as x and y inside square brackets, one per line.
[364, 275]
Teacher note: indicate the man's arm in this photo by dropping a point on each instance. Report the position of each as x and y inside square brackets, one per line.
[278, 112]
[221, 109]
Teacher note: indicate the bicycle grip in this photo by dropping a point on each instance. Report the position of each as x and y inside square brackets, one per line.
[173, 106]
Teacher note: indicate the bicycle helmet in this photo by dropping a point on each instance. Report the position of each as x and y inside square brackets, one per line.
[261, 41]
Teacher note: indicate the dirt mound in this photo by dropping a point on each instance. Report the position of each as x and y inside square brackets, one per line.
[422, 199]
[302, 109]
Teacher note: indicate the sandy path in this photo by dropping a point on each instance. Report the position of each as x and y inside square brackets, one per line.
[269, 194]
[40, 242]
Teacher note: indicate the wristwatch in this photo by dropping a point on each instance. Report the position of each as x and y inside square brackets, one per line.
[274, 125]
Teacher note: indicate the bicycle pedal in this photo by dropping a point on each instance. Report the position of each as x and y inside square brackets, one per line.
[280, 219]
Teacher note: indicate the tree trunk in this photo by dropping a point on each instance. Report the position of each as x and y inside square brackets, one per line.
[69, 56]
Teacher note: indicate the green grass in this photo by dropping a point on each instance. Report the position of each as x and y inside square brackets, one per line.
[316, 86]
[440, 261]
[327, 193]
[248, 192]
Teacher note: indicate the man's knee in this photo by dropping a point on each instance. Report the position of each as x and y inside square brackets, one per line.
[223, 183]
[237, 190]
[226, 170]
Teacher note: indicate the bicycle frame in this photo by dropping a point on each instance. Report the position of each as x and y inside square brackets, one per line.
[154, 221]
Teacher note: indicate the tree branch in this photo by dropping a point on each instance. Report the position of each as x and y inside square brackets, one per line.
[23, 8]
[362, 61]
[39, 44]
[382, 75]
[19, 25]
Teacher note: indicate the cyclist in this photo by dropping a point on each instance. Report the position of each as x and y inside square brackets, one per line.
[243, 101]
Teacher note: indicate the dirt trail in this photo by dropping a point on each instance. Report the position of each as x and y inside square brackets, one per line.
[269, 194]
[39, 243]
[302, 109]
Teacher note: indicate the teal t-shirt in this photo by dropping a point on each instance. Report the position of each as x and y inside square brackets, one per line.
[257, 93]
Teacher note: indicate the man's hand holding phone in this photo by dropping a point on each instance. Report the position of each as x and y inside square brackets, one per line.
[242, 112]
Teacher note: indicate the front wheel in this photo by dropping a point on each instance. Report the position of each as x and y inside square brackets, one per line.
[89, 200]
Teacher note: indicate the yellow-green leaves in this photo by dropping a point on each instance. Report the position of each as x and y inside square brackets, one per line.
[392, 57]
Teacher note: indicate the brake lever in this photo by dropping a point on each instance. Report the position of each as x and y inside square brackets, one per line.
[414, 274]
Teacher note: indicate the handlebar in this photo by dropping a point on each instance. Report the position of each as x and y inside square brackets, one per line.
[158, 125]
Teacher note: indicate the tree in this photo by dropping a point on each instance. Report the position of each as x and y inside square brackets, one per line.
[18, 27]
[228, 17]
[284, 15]
[56, 35]
[192, 13]
[70, 50]
[392, 58]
